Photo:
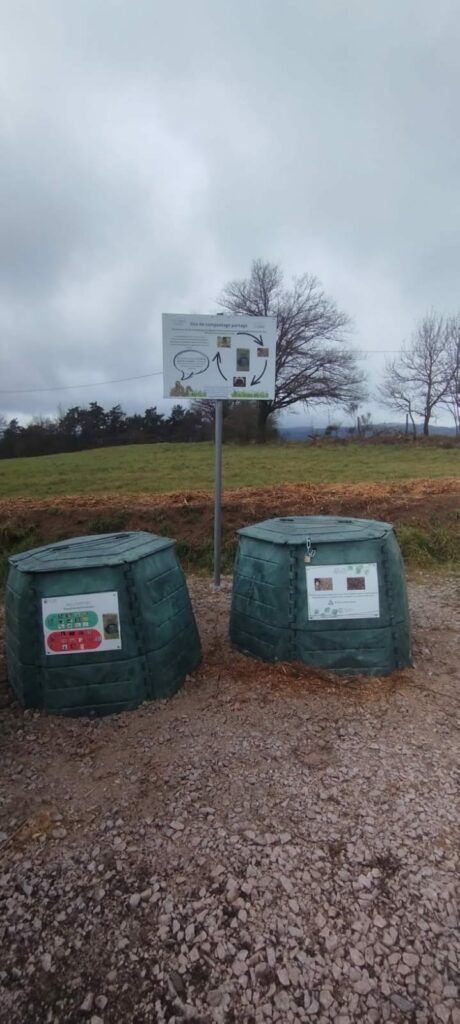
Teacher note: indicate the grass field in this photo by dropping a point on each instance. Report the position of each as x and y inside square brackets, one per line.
[177, 467]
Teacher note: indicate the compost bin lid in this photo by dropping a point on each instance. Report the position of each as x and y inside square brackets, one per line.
[102, 549]
[320, 529]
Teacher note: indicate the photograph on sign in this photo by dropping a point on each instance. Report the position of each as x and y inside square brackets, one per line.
[343, 591]
[81, 623]
[219, 356]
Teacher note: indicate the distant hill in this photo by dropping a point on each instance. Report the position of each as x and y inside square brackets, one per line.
[307, 433]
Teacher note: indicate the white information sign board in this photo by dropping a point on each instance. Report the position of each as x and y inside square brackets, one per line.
[81, 623]
[219, 356]
[343, 591]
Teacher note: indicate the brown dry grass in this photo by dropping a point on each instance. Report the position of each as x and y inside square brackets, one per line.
[187, 516]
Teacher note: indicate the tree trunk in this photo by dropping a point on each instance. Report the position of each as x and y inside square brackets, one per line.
[263, 412]
[426, 424]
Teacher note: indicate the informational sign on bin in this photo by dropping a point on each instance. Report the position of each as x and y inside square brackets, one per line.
[343, 591]
[219, 357]
[81, 623]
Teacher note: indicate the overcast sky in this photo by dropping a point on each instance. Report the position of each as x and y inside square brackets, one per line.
[150, 151]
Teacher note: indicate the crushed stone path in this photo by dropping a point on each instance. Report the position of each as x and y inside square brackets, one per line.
[271, 845]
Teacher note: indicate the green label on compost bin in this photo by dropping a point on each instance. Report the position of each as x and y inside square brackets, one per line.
[71, 620]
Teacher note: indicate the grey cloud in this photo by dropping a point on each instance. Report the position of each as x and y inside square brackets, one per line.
[149, 153]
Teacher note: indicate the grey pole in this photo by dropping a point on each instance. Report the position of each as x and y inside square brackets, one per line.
[217, 490]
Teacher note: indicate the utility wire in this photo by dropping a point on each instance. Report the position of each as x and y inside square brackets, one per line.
[143, 376]
[73, 387]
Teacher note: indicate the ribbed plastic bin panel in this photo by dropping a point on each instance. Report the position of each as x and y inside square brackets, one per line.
[324, 590]
[97, 625]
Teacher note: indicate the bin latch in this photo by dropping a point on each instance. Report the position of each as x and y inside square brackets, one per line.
[310, 553]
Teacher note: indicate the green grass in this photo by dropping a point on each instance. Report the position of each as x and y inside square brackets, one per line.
[176, 467]
[429, 546]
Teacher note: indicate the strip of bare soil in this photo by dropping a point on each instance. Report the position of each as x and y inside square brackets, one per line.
[427, 504]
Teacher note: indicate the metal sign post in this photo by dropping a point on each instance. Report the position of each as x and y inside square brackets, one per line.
[217, 490]
[226, 356]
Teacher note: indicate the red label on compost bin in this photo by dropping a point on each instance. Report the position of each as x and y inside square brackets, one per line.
[73, 640]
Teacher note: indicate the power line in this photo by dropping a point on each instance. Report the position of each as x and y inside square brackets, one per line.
[144, 376]
[73, 387]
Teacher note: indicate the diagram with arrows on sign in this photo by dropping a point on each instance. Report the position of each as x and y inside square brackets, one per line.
[209, 357]
[218, 359]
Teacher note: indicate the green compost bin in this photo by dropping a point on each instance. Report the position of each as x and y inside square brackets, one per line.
[327, 591]
[99, 624]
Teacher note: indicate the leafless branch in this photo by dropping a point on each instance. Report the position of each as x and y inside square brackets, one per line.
[313, 362]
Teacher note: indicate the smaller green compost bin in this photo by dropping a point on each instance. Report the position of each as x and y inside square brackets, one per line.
[97, 625]
[327, 591]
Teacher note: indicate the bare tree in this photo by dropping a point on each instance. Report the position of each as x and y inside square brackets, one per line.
[365, 424]
[240, 419]
[351, 409]
[420, 378]
[362, 421]
[313, 363]
[395, 392]
[452, 399]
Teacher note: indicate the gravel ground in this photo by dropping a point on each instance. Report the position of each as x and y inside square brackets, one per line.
[273, 844]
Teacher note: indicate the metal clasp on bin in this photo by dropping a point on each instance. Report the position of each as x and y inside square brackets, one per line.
[310, 553]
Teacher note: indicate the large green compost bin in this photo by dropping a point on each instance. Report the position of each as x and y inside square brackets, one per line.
[96, 625]
[327, 591]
